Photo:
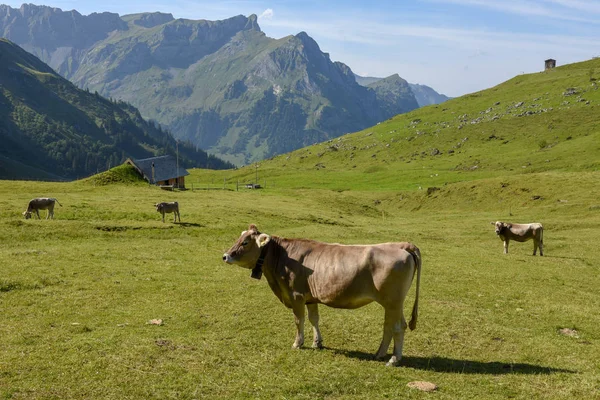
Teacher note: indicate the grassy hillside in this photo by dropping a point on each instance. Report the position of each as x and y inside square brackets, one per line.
[78, 292]
[532, 123]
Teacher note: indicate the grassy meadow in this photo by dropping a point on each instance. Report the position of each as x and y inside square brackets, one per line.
[77, 293]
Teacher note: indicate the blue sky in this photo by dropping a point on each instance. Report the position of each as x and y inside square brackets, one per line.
[454, 46]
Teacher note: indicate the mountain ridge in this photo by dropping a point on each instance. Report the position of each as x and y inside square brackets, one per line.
[223, 85]
[50, 129]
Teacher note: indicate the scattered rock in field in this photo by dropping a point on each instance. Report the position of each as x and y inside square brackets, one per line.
[569, 332]
[570, 92]
[432, 190]
[164, 343]
[422, 385]
[155, 321]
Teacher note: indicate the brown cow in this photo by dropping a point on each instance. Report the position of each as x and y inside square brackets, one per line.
[168, 208]
[521, 233]
[305, 273]
[41, 203]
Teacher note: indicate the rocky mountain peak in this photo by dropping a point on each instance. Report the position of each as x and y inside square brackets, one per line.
[252, 23]
[150, 20]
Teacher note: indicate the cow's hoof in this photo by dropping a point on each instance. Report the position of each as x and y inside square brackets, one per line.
[317, 345]
[393, 362]
[297, 345]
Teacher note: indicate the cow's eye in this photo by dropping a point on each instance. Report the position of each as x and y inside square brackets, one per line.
[245, 242]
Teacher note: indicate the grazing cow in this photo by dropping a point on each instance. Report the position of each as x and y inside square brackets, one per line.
[521, 233]
[41, 203]
[169, 208]
[305, 273]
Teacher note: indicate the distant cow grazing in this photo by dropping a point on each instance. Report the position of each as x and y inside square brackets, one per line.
[41, 203]
[169, 208]
[305, 273]
[521, 233]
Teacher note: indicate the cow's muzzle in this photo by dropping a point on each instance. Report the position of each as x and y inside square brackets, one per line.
[227, 258]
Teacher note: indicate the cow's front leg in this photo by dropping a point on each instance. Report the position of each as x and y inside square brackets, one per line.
[506, 246]
[313, 317]
[298, 309]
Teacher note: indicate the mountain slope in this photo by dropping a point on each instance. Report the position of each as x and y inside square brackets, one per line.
[542, 123]
[223, 85]
[426, 96]
[51, 129]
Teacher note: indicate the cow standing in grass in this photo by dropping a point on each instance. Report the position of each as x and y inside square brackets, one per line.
[507, 231]
[41, 203]
[305, 273]
[169, 208]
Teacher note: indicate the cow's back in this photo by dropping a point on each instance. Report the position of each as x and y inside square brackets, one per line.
[350, 276]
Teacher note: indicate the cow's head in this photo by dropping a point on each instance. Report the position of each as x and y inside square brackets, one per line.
[158, 206]
[500, 226]
[27, 214]
[246, 251]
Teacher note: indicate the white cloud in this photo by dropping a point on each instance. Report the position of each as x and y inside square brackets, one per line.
[267, 14]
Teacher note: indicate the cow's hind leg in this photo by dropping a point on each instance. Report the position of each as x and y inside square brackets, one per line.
[394, 327]
[313, 317]
[398, 329]
[298, 309]
[388, 325]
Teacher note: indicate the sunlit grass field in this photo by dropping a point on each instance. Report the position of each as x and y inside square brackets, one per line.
[77, 293]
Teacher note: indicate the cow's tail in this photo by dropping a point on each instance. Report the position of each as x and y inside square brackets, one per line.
[56, 200]
[416, 253]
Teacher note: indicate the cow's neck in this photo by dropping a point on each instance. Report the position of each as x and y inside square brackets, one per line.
[274, 256]
[257, 270]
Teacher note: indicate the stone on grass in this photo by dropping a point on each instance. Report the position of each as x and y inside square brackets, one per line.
[422, 385]
[569, 332]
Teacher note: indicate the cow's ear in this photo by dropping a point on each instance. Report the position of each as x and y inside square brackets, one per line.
[263, 239]
[252, 227]
[493, 223]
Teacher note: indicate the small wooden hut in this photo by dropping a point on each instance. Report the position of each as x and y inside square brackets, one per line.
[162, 171]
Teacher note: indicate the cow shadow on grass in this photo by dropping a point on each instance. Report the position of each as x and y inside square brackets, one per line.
[451, 365]
[189, 224]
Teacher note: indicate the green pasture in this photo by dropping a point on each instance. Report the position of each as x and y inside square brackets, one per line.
[77, 292]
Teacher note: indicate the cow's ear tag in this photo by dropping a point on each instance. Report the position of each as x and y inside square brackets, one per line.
[263, 239]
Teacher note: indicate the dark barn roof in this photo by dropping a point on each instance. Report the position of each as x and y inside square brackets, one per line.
[165, 168]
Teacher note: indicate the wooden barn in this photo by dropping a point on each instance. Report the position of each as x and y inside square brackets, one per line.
[162, 171]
